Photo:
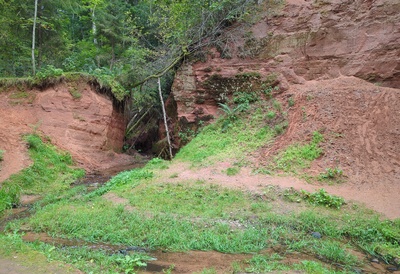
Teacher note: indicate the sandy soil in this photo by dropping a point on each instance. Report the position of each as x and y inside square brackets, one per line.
[360, 122]
[88, 127]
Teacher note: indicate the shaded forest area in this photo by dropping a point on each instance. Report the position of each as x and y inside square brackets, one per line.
[123, 40]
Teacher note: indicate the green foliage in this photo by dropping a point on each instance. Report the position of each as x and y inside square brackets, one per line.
[91, 260]
[132, 178]
[157, 163]
[297, 157]
[1, 155]
[186, 135]
[129, 263]
[199, 216]
[101, 221]
[50, 172]
[280, 128]
[331, 174]
[291, 102]
[267, 90]
[322, 198]
[315, 267]
[197, 200]
[266, 263]
[107, 79]
[48, 72]
[334, 252]
[244, 97]
[9, 196]
[232, 171]
[271, 114]
[229, 137]
[277, 105]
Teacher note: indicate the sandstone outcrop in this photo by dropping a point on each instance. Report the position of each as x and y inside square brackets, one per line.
[73, 115]
[339, 63]
[299, 41]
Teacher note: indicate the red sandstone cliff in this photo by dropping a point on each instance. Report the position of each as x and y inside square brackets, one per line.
[73, 115]
[339, 61]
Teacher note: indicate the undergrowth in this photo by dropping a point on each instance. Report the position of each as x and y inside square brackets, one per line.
[245, 127]
[50, 172]
[199, 216]
[297, 157]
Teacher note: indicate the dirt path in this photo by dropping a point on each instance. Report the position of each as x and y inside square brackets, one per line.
[385, 197]
[361, 126]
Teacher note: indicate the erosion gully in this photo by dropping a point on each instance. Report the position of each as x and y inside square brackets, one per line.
[188, 262]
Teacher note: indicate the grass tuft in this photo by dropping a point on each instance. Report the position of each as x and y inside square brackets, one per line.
[297, 157]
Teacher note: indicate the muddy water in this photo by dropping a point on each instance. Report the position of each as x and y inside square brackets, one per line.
[196, 261]
[189, 262]
[24, 210]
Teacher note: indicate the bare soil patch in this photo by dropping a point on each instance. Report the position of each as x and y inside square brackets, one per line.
[87, 126]
[361, 125]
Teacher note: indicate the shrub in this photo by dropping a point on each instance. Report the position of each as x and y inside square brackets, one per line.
[244, 97]
[48, 72]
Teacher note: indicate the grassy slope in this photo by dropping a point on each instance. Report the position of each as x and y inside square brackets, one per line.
[50, 173]
[199, 216]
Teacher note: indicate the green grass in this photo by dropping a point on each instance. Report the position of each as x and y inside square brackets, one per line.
[333, 251]
[331, 175]
[232, 171]
[38, 255]
[200, 216]
[197, 215]
[51, 172]
[321, 197]
[198, 200]
[213, 144]
[266, 263]
[297, 157]
[100, 221]
[1, 155]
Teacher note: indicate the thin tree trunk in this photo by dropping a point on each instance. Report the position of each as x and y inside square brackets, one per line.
[165, 118]
[94, 27]
[33, 39]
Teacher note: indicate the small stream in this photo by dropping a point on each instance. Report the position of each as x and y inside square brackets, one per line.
[193, 261]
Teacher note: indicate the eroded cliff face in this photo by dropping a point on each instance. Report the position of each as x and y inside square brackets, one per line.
[73, 115]
[339, 63]
[298, 41]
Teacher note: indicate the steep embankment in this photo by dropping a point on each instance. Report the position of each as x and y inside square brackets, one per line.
[73, 115]
[323, 55]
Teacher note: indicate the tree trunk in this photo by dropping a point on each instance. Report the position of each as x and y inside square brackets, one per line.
[165, 119]
[94, 27]
[33, 39]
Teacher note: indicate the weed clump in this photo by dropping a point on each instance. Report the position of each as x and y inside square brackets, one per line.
[132, 177]
[321, 197]
[297, 157]
[331, 175]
